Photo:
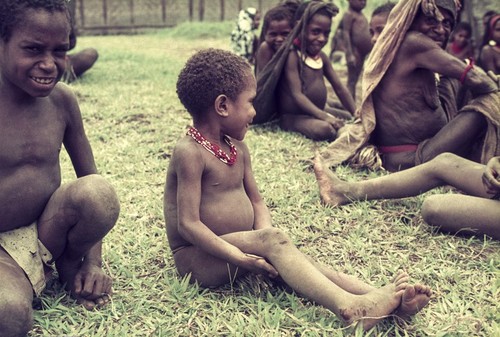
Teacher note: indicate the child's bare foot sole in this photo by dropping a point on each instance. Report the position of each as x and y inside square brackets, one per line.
[414, 299]
[374, 306]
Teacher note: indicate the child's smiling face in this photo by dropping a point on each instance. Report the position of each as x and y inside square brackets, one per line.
[317, 33]
[277, 33]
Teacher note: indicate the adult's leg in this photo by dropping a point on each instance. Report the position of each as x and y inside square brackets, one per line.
[298, 272]
[16, 297]
[458, 136]
[455, 213]
[445, 169]
[78, 215]
[313, 128]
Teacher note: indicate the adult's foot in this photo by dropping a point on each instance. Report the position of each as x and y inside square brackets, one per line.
[330, 186]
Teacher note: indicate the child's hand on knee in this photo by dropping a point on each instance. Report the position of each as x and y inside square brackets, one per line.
[259, 265]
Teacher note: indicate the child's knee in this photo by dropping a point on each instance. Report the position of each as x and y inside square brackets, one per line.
[16, 315]
[274, 237]
[98, 198]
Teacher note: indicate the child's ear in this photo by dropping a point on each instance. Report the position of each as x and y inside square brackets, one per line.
[221, 105]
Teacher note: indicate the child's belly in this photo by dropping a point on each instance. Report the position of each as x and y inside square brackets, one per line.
[233, 212]
[315, 90]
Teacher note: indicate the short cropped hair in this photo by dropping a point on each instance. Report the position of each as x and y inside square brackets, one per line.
[208, 74]
[12, 11]
[465, 26]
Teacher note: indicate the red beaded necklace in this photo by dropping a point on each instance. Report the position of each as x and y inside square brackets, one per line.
[214, 148]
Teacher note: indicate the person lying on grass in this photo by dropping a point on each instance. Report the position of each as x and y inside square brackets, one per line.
[217, 224]
[478, 212]
[42, 221]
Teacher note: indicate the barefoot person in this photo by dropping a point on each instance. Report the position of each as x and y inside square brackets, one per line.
[42, 221]
[477, 212]
[402, 113]
[218, 225]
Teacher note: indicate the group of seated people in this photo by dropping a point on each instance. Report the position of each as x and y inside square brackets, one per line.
[218, 226]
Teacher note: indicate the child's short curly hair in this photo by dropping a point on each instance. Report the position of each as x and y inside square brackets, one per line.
[208, 74]
[12, 12]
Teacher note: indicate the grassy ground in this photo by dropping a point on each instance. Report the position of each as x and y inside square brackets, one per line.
[133, 118]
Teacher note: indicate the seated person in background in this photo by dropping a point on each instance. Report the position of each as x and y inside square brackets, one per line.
[401, 111]
[278, 23]
[489, 58]
[244, 42]
[301, 91]
[476, 212]
[460, 44]
[78, 62]
[218, 226]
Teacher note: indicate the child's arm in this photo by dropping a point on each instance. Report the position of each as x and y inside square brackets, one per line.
[263, 56]
[293, 81]
[189, 170]
[262, 217]
[75, 140]
[340, 89]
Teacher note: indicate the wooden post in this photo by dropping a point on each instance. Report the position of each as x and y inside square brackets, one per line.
[240, 5]
[164, 11]
[222, 9]
[131, 8]
[191, 5]
[105, 12]
[82, 14]
[201, 10]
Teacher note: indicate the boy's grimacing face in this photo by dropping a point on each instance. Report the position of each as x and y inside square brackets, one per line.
[242, 110]
[277, 33]
[34, 58]
[317, 33]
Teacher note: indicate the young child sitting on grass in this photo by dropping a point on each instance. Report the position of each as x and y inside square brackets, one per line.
[42, 221]
[218, 226]
[478, 212]
[302, 93]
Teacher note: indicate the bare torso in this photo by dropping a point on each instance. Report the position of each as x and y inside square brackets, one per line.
[360, 34]
[313, 88]
[406, 104]
[29, 160]
[224, 205]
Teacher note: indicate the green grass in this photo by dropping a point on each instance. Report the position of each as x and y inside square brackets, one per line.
[133, 119]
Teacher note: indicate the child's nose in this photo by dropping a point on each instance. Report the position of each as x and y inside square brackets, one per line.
[47, 63]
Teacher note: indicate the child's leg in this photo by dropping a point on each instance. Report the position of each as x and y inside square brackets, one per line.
[446, 169]
[78, 215]
[457, 213]
[16, 296]
[300, 274]
[312, 128]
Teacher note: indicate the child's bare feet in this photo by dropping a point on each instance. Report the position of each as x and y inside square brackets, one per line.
[75, 273]
[330, 187]
[372, 307]
[415, 297]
